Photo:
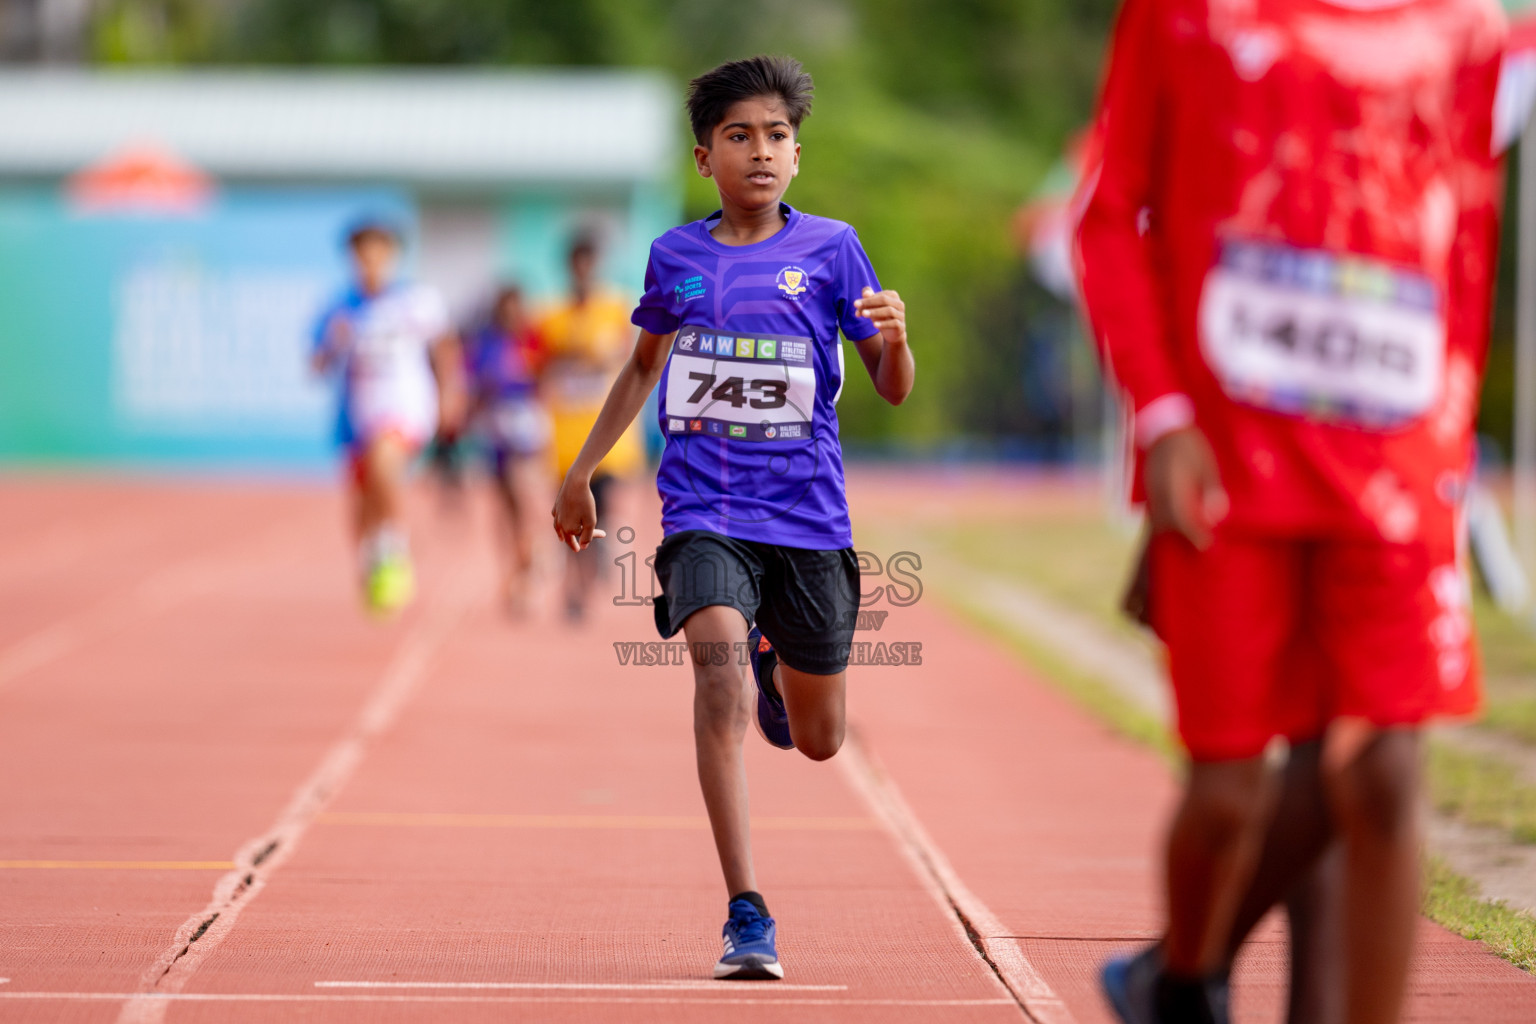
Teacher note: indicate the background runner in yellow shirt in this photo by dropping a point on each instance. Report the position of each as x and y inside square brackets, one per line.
[587, 339]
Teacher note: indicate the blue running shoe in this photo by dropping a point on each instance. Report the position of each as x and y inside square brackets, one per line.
[749, 950]
[1130, 985]
[771, 718]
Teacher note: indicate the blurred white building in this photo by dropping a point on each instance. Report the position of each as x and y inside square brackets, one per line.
[229, 193]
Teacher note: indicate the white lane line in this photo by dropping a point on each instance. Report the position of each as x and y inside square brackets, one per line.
[1032, 992]
[585, 986]
[165, 999]
[696, 823]
[260, 858]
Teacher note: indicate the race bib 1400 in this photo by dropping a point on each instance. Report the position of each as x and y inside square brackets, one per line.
[760, 387]
[1326, 335]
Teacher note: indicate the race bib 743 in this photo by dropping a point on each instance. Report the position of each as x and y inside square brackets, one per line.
[758, 387]
[1326, 335]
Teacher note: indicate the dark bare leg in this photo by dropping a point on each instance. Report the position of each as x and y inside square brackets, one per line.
[1300, 866]
[1374, 796]
[381, 498]
[817, 707]
[1213, 847]
[722, 702]
[515, 530]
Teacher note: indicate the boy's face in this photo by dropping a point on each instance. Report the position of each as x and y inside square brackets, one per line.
[374, 254]
[752, 154]
[509, 313]
[583, 264]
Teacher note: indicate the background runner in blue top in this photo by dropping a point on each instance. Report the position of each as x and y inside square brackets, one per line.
[749, 395]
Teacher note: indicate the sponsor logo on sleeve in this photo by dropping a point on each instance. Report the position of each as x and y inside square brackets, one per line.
[791, 281]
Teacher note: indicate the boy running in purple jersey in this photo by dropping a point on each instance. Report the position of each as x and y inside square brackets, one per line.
[739, 324]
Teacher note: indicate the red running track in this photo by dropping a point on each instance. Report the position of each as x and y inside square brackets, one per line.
[229, 796]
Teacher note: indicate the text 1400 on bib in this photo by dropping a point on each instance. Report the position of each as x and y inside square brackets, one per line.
[1331, 336]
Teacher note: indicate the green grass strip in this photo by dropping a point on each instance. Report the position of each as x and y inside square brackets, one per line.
[1482, 789]
[1513, 716]
[1456, 903]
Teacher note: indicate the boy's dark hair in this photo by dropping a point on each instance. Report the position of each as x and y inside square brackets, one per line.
[373, 227]
[583, 244]
[714, 92]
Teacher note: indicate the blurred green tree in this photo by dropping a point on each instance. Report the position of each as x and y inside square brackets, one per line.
[932, 121]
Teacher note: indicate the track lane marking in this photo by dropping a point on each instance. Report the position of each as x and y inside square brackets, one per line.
[117, 865]
[600, 986]
[587, 821]
[258, 859]
[165, 999]
[973, 920]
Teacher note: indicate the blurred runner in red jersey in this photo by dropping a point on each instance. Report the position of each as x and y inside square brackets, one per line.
[1287, 248]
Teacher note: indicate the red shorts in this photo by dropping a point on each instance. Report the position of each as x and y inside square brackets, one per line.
[1275, 637]
[357, 452]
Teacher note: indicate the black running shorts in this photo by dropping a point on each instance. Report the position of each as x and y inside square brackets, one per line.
[806, 602]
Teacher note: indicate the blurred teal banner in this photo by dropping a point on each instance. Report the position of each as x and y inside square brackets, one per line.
[174, 339]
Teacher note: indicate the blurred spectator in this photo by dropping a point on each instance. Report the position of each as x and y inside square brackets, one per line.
[505, 361]
[402, 382]
[587, 338]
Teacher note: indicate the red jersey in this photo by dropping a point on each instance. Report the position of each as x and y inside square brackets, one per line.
[1288, 236]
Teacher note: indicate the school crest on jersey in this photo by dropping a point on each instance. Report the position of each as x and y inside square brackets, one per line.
[792, 281]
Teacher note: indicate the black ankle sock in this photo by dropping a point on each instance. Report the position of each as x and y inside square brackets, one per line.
[1185, 1000]
[755, 898]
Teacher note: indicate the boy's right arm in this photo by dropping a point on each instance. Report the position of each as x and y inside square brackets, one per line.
[575, 511]
[331, 340]
[1122, 283]
[1121, 276]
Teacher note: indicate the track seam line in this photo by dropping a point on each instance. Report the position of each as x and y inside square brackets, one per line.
[972, 919]
[257, 860]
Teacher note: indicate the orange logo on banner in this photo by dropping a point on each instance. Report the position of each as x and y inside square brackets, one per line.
[140, 178]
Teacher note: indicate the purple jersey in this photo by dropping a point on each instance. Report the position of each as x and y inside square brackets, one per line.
[749, 395]
[501, 367]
